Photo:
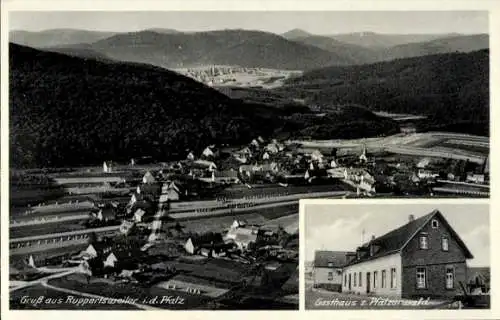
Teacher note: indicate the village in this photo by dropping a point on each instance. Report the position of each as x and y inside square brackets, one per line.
[185, 226]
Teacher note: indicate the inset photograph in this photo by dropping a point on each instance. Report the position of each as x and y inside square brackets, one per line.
[429, 255]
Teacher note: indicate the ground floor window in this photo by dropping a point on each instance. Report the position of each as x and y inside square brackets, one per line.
[360, 283]
[330, 276]
[450, 277]
[354, 280]
[393, 277]
[375, 278]
[345, 280]
[384, 279]
[421, 278]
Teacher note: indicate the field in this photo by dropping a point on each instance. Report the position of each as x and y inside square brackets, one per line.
[219, 223]
[45, 228]
[41, 255]
[123, 290]
[438, 143]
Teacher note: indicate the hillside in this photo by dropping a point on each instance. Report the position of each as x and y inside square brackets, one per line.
[226, 47]
[442, 45]
[380, 40]
[295, 34]
[453, 89]
[67, 111]
[56, 37]
[362, 54]
[357, 54]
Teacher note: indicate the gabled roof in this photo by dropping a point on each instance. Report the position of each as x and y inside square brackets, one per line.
[482, 272]
[332, 259]
[396, 240]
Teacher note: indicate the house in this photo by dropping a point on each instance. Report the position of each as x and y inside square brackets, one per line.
[208, 153]
[194, 244]
[148, 178]
[106, 214]
[337, 173]
[272, 148]
[190, 156]
[317, 156]
[408, 129]
[475, 177]
[479, 278]
[426, 174]
[363, 157]
[150, 190]
[423, 163]
[225, 176]
[126, 227]
[265, 156]
[139, 214]
[255, 143]
[171, 191]
[423, 258]
[107, 166]
[242, 236]
[333, 164]
[204, 165]
[327, 269]
[363, 180]
[110, 260]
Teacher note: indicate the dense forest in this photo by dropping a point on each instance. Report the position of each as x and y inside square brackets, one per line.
[69, 111]
[452, 89]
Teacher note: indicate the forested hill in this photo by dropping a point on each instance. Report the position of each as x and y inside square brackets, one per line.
[70, 111]
[452, 88]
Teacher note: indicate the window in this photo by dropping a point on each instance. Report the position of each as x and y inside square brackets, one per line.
[330, 264]
[359, 282]
[450, 277]
[375, 276]
[345, 280]
[424, 242]
[444, 244]
[330, 276]
[384, 279]
[421, 281]
[435, 224]
[354, 280]
[393, 278]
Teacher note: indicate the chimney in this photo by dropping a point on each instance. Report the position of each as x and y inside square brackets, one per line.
[373, 237]
[411, 218]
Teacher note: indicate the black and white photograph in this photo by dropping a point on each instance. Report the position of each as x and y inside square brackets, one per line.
[157, 158]
[378, 256]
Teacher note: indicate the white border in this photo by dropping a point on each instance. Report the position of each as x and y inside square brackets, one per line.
[252, 5]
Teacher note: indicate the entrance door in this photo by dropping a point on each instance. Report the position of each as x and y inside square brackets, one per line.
[349, 282]
[368, 284]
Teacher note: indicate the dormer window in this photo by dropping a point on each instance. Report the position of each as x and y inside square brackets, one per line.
[424, 242]
[330, 265]
[435, 224]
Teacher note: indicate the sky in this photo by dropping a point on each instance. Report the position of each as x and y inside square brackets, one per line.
[319, 22]
[340, 227]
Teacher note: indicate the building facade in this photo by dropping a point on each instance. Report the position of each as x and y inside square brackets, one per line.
[423, 258]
